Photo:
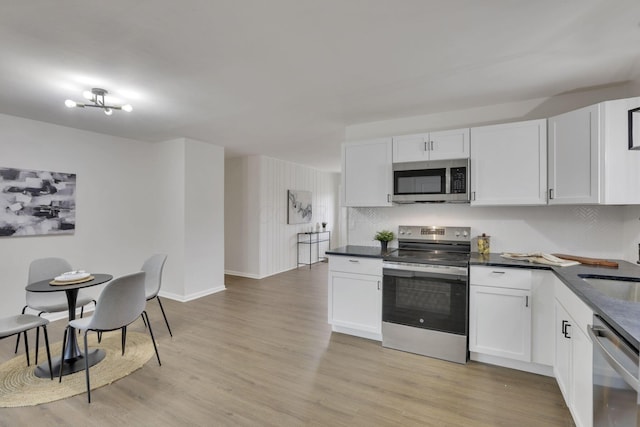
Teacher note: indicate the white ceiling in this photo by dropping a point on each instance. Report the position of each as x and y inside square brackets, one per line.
[283, 78]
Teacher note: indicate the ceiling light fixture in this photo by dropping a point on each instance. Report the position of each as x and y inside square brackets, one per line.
[96, 96]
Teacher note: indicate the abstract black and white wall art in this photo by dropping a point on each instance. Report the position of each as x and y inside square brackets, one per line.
[299, 207]
[36, 202]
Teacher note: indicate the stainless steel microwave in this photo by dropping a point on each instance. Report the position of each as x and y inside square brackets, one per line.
[431, 181]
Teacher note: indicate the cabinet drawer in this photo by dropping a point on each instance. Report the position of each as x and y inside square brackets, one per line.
[500, 277]
[354, 264]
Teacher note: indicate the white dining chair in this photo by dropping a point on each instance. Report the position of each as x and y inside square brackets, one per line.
[19, 325]
[50, 302]
[153, 266]
[121, 302]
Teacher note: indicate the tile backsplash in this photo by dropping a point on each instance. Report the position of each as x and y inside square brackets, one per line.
[593, 231]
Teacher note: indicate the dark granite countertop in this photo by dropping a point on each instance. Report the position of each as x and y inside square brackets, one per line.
[622, 315]
[361, 251]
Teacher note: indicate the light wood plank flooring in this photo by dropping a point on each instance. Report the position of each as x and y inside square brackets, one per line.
[262, 353]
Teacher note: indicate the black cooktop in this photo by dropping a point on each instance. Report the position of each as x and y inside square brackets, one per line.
[428, 257]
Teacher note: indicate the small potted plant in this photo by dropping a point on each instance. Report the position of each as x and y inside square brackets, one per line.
[384, 237]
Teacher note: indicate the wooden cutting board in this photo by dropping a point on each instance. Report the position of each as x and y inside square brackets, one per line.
[589, 261]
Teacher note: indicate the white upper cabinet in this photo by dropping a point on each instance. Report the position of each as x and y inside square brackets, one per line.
[443, 145]
[589, 157]
[367, 173]
[509, 164]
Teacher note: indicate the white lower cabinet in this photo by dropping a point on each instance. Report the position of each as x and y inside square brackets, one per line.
[510, 316]
[500, 322]
[355, 296]
[573, 354]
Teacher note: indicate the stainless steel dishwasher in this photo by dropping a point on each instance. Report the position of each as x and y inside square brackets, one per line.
[615, 378]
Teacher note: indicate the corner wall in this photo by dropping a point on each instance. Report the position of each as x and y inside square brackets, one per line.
[260, 243]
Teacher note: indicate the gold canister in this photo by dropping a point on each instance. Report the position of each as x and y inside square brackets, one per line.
[484, 244]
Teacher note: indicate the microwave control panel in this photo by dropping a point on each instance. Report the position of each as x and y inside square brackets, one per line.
[458, 180]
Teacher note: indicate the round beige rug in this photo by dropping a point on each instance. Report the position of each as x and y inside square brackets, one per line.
[20, 387]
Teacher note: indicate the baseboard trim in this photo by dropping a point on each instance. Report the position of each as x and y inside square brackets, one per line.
[191, 297]
[534, 368]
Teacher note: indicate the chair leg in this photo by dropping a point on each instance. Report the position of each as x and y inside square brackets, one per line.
[46, 344]
[124, 338]
[18, 339]
[153, 340]
[64, 342]
[164, 315]
[99, 336]
[86, 366]
[37, 343]
[26, 348]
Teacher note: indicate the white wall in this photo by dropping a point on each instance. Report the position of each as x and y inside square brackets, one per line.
[191, 229]
[256, 196]
[599, 231]
[241, 218]
[204, 219]
[115, 217]
[631, 233]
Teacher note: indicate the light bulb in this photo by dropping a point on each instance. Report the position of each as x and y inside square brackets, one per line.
[87, 94]
[69, 103]
[108, 111]
[127, 107]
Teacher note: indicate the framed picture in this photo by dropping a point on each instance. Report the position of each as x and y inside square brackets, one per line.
[299, 210]
[634, 129]
[36, 202]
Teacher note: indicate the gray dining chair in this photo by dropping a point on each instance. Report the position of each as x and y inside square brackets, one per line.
[153, 267]
[50, 302]
[121, 302]
[20, 324]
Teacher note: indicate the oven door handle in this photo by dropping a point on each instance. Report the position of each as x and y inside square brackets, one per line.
[598, 335]
[419, 274]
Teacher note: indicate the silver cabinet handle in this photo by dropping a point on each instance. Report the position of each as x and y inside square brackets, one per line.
[526, 301]
[551, 193]
[498, 272]
[388, 198]
[473, 195]
[425, 146]
[378, 284]
[354, 260]
[431, 145]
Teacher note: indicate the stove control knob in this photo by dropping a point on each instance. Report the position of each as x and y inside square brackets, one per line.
[401, 231]
[457, 234]
[465, 234]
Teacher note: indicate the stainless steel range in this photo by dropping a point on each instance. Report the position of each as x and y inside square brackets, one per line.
[425, 293]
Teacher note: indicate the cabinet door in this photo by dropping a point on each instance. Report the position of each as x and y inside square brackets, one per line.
[355, 301]
[562, 362]
[509, 164]
[574, 164]
[410, 148]
[581, 378]
[449, 144]
[500, 322]
[367, 173]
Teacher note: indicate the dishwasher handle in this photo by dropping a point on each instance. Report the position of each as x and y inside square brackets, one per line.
[599, 334]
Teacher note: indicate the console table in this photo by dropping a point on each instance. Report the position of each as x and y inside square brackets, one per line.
[311, 239]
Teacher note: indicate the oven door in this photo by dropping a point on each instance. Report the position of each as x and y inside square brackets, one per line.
[425, 296]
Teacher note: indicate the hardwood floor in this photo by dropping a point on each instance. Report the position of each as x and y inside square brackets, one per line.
[262, 353]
